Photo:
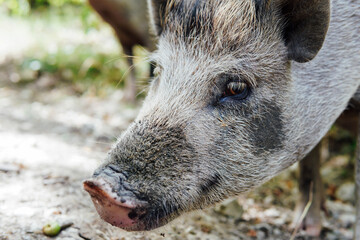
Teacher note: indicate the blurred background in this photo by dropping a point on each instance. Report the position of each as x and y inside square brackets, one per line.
[72, 78]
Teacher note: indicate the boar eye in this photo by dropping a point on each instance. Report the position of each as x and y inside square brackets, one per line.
[237, 90]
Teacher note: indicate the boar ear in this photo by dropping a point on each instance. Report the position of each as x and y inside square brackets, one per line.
[306, 25]
[157, 10]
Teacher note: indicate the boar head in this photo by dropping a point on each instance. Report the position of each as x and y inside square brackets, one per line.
[222, 114]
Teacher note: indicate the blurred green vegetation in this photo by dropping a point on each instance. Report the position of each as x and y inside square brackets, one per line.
[25, 7]
[44, 8]
[73, 65]
[83, 63]
[80, 66]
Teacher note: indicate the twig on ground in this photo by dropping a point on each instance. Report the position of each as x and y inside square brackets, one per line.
[304, 213]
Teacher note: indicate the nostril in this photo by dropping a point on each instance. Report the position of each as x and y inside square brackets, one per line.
[132, 215]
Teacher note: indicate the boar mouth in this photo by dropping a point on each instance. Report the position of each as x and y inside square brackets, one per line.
[120, 212]
[127, 212]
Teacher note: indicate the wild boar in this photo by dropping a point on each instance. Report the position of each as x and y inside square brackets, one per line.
[243, 89]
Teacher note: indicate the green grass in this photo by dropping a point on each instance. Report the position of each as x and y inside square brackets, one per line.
[79, 62]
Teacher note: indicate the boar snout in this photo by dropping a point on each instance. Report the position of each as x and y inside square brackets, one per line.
[114, 200]
[137, 187]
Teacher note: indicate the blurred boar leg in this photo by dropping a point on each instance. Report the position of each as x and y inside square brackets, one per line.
[129, 20]
[130, 83]
[310, 180]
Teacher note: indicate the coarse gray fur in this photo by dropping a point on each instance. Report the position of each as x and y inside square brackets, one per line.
[188, 150]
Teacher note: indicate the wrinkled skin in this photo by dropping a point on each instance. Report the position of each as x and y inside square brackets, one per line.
[192, 145]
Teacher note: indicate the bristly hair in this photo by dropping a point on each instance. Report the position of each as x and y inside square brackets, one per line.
[238, 35]
[221, 24]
